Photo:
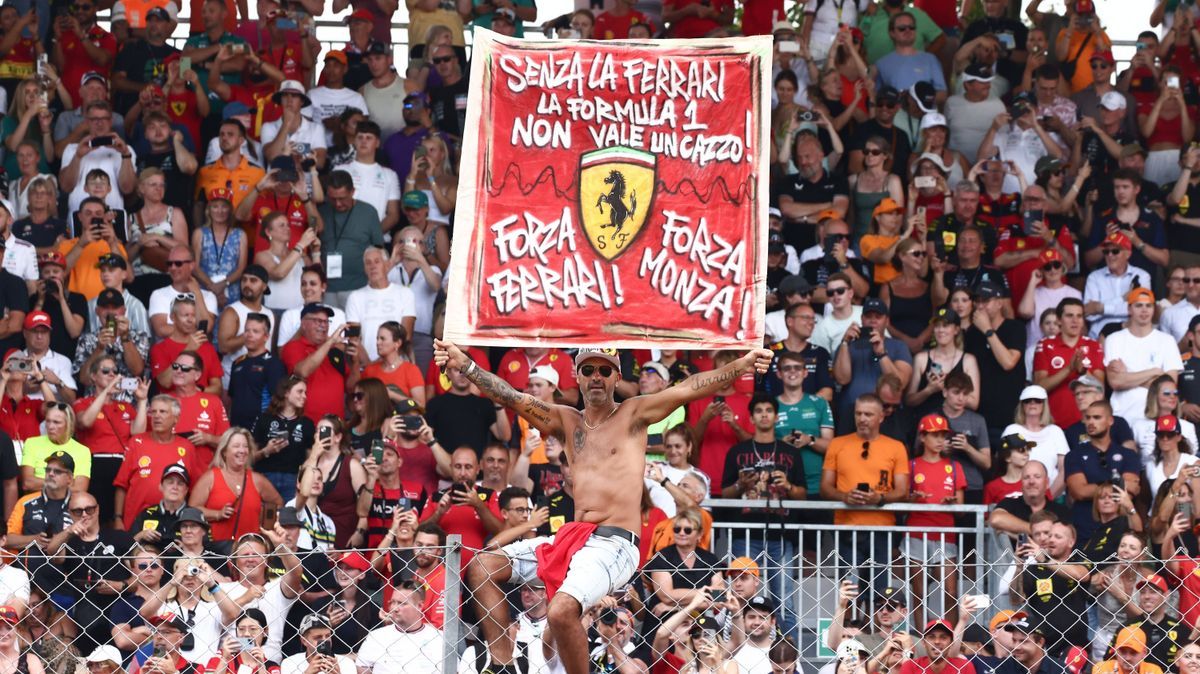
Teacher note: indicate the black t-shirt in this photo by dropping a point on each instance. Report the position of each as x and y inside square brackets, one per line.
[299, 432]
[971, 278]
[802, 191]
[896, 139]
[817, 271]
[61, 341]
[8, 458]
[461, 421]
[944, 231]
[44, 235]
[1189, 380]
[682, 578]
[1184, 237]
[142, 63]
[448, 104]
[1054, 599]
[547, 479]
[816, 360]
[14, 296]
[998, 398]
[1105, 538]
[750, 454]
[1012, 35]
[87, 562]
[562, 510]
[179, 184]
[252, 381]
[155, 518]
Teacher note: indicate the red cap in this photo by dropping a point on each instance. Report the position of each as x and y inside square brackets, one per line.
[1118, 239]
[53, 257]
[354, 560]
[9, 615]
[1167, 423]
[934, 624]
[1084, 7]
[1104, 56]
[37, 319]
[1049, 255]
[220, 193]
[933, 423]
[360, 15]
[10, 353]
[1155, 580]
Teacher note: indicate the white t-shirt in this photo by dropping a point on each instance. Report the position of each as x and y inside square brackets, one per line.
[20, 259]
[1156, 349]
[298, 664]
[289, 324]
[310, 136]
[61, 366]
[1051, 444]
[162, 299]
[830, 330]
[104, 158]
[14, 584]
[1156, 475]
[388, 650]
[274, 605]
[1174, 321]
[424, 293]
[206, 621]
[372, 307]
[753, 659]
[374, 184]
[328, 103]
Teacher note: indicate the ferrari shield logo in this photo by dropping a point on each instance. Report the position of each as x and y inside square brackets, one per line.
[616, 189]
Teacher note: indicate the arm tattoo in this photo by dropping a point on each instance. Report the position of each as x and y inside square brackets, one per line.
[499, 390]
[722, 376]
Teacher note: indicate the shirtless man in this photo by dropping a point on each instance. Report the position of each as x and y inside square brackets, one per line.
[606, 449]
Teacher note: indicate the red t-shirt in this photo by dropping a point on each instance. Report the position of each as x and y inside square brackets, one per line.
[77, 63]
[998, 489]
[759, 16]
[1189, 591]
[326, 385]
[612, 27]
[434, 607]
[111, 430]
[441, 382]
[718, 436]
[937, 480]
[202, 412]
[418, 465]
[165, 352]
[20, 420]
[922, 664]
[463, 520]
[1053, 356]
[141, 472]
[181, 109]
[515, 366]
[291, 206]
[236, 665]
[257, 97]
[287, 58]
[694, 26]
[1011, 239]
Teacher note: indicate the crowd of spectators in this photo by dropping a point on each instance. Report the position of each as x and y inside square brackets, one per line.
[224, 444]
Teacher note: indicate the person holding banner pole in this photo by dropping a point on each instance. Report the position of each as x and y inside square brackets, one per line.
[606, 447]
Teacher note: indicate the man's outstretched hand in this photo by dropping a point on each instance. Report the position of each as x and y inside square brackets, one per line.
[447, 353]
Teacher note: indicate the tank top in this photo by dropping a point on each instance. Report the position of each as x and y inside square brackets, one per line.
[864, 208]
[340, 503]
[242, 311]
[910, 315]
[139, 229]
[285, 293]
[934, 402]
[1167, 131]
[222, 495]
[435, 213]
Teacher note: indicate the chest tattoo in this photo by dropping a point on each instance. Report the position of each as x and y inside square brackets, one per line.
[579, 438]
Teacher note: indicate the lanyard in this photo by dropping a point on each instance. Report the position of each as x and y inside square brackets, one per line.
[339, 231]
[220, 246]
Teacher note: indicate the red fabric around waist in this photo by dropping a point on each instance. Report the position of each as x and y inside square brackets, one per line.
[553, 559]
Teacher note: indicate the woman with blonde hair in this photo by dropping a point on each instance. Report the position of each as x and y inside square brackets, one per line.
[187, 595]
[432, 172]
[1162, 399]
[230, 494]
[910, 307]
[29, 118]
[40, 187]
[1033, 423]
[1116, 586]
[220, 249]
[146, 574]
[682, 569]
[157, 228]
[16, 656]
[59, 420]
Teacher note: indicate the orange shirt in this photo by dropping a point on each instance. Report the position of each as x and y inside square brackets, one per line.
[872, 242]
[664, 535]
[886, 458]
[241, 179]
[85, 276]
[407, 376]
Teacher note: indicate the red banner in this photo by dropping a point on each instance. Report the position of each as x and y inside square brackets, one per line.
[613, 193]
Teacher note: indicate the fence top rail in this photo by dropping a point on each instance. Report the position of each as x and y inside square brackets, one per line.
[838, 505]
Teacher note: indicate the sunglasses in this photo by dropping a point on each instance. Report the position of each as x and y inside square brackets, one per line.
[604, 370]
[873, 152]
[792, 368]
[87, 510]
[837, 292]
[889, 408]
[1170, 392]
[443, 59]
[142, 566]
[917, 253]
[1170, 435]
[1112, 251]
[359, 395]
[1097, 65]
[1191, 281]
[181, 368]
[906, 27]
[51, 470]
[107, 370]
[180, 263]
[839, 237]
[1052, 266]
[866, 449]
[683, 530]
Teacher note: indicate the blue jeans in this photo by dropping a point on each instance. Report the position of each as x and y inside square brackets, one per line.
[780, 569]
[285, 484]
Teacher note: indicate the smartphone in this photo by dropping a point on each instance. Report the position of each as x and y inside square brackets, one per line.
[720, 400]
[420, 152]
[982, 601]
[788, 47]
[324, 433]
[410, 422]
[936, 367]
[865, 333]
[111, 324]
[1022, 539]
[1184, 508]
[1032, 218]
[377, 451]
[1173, 81]
[129, 384]
[185, 64]
[353, 330]
[863, 486]
[924, 182]
[325, 647]
[268, 515]
[245, 643]
[102, 141]
[42, 62]
[202, 326]
[718, 596]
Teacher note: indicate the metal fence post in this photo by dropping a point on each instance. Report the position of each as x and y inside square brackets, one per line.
[452, 627]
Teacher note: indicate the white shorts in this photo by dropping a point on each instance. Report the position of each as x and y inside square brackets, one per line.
[603, 565]
[931, 550]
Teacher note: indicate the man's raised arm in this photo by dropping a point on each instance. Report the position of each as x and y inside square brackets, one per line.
[544, 416]
[656, 406]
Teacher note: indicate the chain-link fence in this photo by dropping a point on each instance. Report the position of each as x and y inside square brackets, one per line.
[775, 570]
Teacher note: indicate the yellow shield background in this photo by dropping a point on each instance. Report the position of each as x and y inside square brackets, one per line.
[597, 197]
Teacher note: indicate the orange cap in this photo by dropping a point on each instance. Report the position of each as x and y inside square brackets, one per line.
[744, 565]
[1140, 295]
[1131, 637]
[337, 55]
[887, 205]
[1006, 616]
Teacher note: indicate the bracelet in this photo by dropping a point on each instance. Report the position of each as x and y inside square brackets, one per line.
[663, 482]
[126, 156]
[298, 249]
[215, 588]
[470, 369]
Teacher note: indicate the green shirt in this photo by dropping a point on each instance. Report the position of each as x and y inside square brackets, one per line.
[202, 41]
[879, 41]
[808, 416]
[673, 419]
[36, 450]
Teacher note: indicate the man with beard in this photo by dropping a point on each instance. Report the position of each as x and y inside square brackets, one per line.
[809, 191]
[390, 497]
[753, 635]
[465, 508]
[232, 170]
[1165, 634]
[231, 328]
[429, 541]
[605, 444]
[1097, 462]
[312, 355]
[254, 376]
[1053, 585]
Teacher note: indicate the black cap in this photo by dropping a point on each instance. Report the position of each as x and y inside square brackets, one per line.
[190, 514]
[944, 314]
[1194, 322]
[979, 71]
[775, 243]
[1026, 625]
[925, 95]
[110, 298]
[177, 470]
[761, 603]
[874, 305]
[316, 308]
[794, 284]
[158, 13]
[288, 517]
[112, 260]
[377, 49]
[1015, 441]
[887, 92]
[892, 595]
[259, 272]
[976, 634]
[63, 459]
[989, 290]
[1024, 97]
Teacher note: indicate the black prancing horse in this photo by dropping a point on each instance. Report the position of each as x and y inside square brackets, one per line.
[618, 213]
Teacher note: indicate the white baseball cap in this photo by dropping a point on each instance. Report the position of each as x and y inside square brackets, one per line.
[1113, 100]
[545, 373]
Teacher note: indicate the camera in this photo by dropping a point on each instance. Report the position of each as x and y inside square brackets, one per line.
[608, 617]
[308, 163]
[766, 467]
[411, 422]
[353, 330]
[1018, 109]
[101, 141]
[20, 365]
[193, 570]
[806, 116]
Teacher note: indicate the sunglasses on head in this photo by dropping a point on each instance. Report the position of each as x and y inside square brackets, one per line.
[588, 370]
[58, 406]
